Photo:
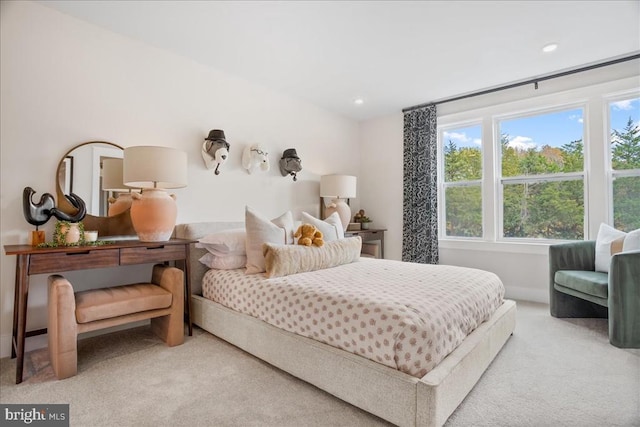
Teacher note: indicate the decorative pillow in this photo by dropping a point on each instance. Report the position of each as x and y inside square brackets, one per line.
[606, 236]
[331, 227]
[226, 262]
[631, 241]
[260, 230]
[283, 260]
[617, 245]
[227, 242]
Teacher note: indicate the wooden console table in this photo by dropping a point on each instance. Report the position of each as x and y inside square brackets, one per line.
[32, 260]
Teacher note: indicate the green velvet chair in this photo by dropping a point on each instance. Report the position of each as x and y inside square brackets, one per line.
[577, 290]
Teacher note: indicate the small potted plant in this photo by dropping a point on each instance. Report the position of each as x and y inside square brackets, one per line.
[361, 218]
[364, 222]
[68, 233]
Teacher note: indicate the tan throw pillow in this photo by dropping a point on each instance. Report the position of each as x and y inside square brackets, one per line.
[283, 260]
[616, 245]
[260, 230]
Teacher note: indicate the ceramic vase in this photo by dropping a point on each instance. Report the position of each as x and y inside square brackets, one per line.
[70, 233]
[119, 204]
[153, 215]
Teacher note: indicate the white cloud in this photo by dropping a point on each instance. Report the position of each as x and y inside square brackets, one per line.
[522, 143]
[461, 138]
[577, 118]
[623, 105]
[457, 137]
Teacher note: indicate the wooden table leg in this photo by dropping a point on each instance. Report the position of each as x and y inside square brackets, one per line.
[16, 298]
[20, 312]
[187, 279]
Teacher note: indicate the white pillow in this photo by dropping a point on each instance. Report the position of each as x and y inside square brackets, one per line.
[227, 262]
[331, 227]
[606, 235]
[227, 242]
[260, 230]
[631, 241]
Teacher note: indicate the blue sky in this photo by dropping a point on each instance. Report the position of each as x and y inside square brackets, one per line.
[554, 129]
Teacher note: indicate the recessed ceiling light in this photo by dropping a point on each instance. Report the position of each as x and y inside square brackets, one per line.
[550, 47]
[358, 101]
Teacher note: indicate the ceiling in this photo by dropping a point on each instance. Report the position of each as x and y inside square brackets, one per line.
[392, 54]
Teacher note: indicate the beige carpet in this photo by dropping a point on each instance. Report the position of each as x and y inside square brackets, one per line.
[552, 372]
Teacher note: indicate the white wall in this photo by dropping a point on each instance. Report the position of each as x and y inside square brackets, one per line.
[522, 267]
[64, 82]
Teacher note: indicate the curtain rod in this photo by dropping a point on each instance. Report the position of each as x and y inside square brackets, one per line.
[526, 82]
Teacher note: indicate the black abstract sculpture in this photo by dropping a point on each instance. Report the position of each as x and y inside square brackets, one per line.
[39, 213]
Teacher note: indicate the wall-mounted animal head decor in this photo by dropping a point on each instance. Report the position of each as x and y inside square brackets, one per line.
[290, 163]
[215, 150]
[255, 157]
[39, 213]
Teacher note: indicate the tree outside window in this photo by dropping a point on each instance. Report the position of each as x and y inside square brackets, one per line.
[462, 179]
[542, 167]
[624, 143]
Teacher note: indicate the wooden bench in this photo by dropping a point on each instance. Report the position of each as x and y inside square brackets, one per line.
[161, 300]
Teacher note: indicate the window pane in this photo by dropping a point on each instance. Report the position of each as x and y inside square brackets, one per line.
[548, 210]
[464, 211]
[542, 144]
[625, 134]
[626, 203]
[462, 154]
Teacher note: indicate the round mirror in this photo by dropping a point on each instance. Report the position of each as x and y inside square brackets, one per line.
[80, 172]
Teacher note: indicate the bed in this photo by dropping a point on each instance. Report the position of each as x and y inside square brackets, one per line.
[398, 397]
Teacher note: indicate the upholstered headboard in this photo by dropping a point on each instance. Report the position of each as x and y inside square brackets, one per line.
[195, 231]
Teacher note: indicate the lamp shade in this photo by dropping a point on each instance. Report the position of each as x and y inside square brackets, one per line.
[338, 186]
[112, 178]
[154, 167]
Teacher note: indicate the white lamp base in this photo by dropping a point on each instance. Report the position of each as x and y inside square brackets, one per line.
[343, 209]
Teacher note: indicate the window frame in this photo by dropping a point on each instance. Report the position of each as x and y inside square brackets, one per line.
[442, 185]
[589, 89]
[500, 180]
[610, 173]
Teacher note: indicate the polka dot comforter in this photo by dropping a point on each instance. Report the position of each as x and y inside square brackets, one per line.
[402, 315]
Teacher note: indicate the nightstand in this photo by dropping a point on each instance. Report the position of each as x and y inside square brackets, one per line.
[370, 235]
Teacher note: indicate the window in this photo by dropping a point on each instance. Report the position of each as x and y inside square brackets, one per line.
[517, 171]
[624, 157]
[462, 183]
[542, 175]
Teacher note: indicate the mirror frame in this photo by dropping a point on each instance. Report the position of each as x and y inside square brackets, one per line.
[118, 225]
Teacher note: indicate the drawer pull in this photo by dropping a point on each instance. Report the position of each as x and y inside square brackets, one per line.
[78, 253]
[155, 247]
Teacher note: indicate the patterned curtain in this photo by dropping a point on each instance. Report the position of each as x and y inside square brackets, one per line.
[420, 208]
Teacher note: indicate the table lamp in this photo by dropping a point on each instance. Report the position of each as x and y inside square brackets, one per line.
[154, 169]
[339, 188]
[112, 180]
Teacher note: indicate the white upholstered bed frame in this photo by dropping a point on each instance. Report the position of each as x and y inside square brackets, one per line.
[390, 394]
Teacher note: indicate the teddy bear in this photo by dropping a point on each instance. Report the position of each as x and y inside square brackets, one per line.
[309, 235]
